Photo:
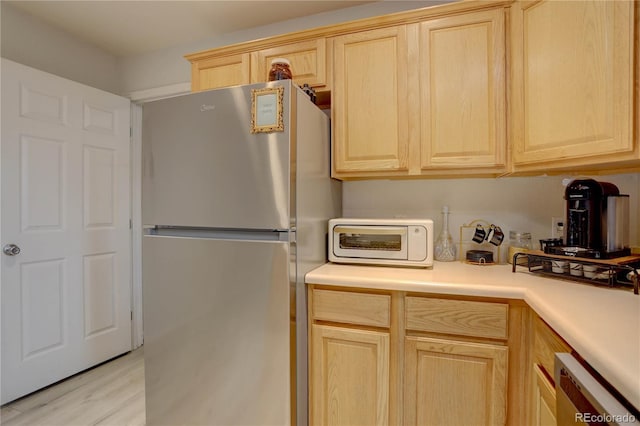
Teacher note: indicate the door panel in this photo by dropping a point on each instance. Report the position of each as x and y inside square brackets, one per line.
[42, 303]
[66, 203]
[41, 184]
[99, 191]
[99, 293]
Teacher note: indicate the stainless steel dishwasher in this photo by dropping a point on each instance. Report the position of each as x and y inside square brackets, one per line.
[581, 399]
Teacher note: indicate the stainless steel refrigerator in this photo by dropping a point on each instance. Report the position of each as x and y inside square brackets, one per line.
[236, 197]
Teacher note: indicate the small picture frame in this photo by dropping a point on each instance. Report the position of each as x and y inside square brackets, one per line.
[266, 110]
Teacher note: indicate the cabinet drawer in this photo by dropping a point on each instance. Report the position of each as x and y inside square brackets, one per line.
[468, 318]
[352, 308]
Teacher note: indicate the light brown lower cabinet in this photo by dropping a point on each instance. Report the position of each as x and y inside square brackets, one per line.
[544, 400]
[449, 382]
[546, 342]
[381, 357]
[350, 377]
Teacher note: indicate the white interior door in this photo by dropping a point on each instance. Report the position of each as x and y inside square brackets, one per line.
[66, 205]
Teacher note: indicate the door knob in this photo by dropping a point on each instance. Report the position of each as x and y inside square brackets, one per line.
[11, 249]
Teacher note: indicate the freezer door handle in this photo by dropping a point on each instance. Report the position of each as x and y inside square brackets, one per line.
[219, 233]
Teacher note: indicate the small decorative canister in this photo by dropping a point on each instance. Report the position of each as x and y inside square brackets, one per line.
[280, 69]
[518, 242]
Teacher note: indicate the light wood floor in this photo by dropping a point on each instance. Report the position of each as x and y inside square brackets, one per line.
[110, 394]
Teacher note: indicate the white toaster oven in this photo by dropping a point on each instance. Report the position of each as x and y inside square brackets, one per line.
[400, 242]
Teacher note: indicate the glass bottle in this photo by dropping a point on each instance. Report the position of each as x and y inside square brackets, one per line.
[445, 249]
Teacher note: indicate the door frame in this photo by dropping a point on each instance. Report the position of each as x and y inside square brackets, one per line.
[138, 98]
[137, 336]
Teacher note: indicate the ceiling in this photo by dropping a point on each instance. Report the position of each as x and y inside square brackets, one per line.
[125, 28]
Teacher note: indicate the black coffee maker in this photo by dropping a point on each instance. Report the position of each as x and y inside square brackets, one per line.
[597, 220]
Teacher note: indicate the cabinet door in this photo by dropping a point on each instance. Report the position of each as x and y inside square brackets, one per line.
[307, 58]
[572, 74]
[546, 342]
[349, 377]
[370, 102]
[218, 72]
[544, 400]
[449, 382]
[462, 82]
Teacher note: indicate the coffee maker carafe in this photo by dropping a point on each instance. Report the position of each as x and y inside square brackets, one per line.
[597, 220]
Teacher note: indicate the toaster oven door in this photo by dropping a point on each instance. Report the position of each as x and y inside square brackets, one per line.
[372, 242]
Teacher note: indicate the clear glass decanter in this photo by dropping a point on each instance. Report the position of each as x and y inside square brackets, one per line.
[445, 249]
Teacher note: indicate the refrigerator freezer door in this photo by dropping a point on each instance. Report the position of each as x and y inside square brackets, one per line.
[217, 316]
[202, 166]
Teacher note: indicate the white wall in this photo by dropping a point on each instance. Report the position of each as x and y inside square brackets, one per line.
[523, 204]
[31, 42]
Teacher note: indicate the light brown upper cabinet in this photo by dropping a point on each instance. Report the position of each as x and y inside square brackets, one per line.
[307, 58]
[250, 63]
[219, 71]
[426, 98]
[572, 77]
[371, 102]
[462, 89]
[430, 92]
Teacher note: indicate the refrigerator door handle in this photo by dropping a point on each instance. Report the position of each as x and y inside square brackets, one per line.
[219, 233]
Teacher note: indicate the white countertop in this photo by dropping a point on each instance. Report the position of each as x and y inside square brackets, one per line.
[602, 324]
